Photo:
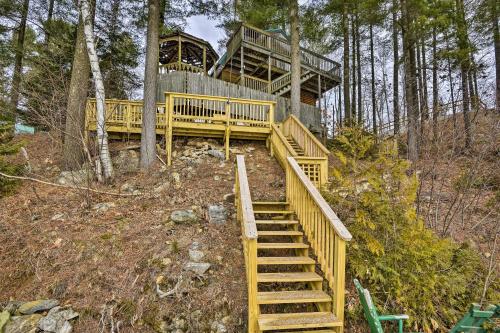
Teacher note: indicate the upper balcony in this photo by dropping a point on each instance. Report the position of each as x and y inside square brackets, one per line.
[280, 50]
[261, 60]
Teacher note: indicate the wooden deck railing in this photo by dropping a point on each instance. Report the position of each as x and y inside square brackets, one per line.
[293, 127]
[282, 47]
[175, 66]
[255, 83]
[123, 116]
[324, 230]
[245, 215]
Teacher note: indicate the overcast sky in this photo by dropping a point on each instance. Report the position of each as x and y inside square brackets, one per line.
[206, 29]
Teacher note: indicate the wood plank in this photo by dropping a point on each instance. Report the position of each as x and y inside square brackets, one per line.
[293, 297]
[289, 277]
[262, 246]
[278, 212]
[281, 321]
[280, 233]
[277, 222]
[285, 261]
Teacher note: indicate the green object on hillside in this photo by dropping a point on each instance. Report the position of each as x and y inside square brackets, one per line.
[371, 314]
[478, 321]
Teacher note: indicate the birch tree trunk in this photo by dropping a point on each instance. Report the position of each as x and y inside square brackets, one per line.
[102, 135]
[496, 41]
[435, 88]
[353, 61]
[148, 137]
[295, 50]
[358, 67]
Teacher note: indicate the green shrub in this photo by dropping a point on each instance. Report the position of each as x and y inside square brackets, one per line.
[406, 267]
[7, 148]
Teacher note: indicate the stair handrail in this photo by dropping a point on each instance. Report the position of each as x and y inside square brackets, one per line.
[280, 147]
[324, 230]
[293, 127]
[246, 218]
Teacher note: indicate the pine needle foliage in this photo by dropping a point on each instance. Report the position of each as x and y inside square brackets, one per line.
[7, 148]
[406, 267]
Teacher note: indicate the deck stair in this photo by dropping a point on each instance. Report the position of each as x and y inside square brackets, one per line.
[287, 277]
[298, 149]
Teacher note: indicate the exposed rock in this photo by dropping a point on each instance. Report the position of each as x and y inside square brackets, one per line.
[103, 206]
[218, 327]
[4, 318]
[196, 255]
[217, 154]
[161, 188]
[12, 307]
[126, 161]
[199, 268]
[126, 187]
[229, 197]
[217, 214]
[57, 320]
[37, 306]
[58, 217]
[217, 178]
[183, 216]
[23, 324]
[76, 177]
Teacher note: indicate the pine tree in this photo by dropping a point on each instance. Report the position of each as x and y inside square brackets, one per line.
[7, 148]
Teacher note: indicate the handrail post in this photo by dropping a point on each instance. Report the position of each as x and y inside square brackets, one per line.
[253, 307]
[339, 281]
[228, 128]
[168, 138]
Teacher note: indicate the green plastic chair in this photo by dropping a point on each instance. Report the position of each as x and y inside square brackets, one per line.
[371, 314]
[474, 320]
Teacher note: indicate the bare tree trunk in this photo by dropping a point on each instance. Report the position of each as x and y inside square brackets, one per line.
[425, 106]
[102, 135]
[464, 60]
[435, 88]
[295, 57]
[50, 14]
[73, 153]
[19, 54]
[354, 81]
[395, 75]
[148, 138]
[358, 67]
[374, 95]
[496, 41]
[346, 79]
[410, 81]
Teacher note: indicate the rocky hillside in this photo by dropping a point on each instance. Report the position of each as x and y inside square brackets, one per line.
[160, 254]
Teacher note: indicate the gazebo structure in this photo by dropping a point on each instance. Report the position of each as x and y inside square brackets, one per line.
[180, 51]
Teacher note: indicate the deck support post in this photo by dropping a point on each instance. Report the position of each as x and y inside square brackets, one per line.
[269, 74]
[169, 109]
[205, 60]
[228, 129]
[242, 66]
[179, 53]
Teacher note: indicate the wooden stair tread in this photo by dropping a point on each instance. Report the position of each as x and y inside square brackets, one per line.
[285, 261]
[279, 233]
[281, 212]
[283, 321]
[294, 296]
[282, 245]
[315, 331]
[284, 203]
[289, 277]
[276, 222]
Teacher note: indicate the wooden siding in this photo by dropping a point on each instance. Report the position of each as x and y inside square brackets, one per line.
[192, 83]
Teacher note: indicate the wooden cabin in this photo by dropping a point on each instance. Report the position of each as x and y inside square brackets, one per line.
[261, 60]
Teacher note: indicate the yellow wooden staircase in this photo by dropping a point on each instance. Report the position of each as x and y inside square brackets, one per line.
[294, 257]
[294, 250]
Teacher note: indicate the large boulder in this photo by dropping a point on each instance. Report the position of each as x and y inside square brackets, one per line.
[57, 320]
[37, 306]
[127, 161]
[186, 216]
[75, 178]
[23, 324]
[217, 214]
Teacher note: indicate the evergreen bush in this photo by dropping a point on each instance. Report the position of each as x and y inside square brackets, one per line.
[7, 148]
[406, 267]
